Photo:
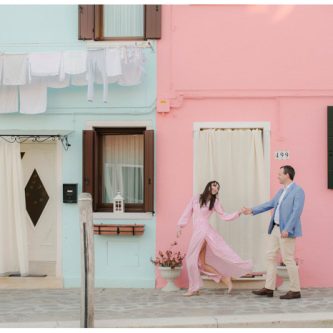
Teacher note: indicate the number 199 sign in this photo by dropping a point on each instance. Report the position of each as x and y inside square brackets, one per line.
[282, 155]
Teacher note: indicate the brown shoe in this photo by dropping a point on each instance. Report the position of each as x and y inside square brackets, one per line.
[264, 292]
[291, 295]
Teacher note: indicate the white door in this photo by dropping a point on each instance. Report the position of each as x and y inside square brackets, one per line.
[39, 173]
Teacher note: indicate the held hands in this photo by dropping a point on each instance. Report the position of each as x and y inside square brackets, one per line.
[246, 211]
[284, 234]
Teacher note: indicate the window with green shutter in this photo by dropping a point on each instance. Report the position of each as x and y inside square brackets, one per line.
[119, 22]
[119, 160]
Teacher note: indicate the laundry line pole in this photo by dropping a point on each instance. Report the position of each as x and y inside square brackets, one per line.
[87, 261]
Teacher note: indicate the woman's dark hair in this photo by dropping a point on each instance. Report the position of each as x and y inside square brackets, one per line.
[288, 169]
[206, 193]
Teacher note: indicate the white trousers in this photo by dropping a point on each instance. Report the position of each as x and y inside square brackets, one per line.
[287, 248]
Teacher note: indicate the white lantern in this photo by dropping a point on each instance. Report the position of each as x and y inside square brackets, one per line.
[118, 203]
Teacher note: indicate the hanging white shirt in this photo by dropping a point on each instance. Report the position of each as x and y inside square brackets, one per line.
[75, 62]
[8, 99]
[33, 97]
[14, 69]
[277, 210]
[45, 64]
[132, 67]
[113, 61]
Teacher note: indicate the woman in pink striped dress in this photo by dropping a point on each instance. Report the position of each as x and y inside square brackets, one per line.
[208, 253]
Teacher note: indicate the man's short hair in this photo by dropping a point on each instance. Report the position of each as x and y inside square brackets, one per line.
[288, 169]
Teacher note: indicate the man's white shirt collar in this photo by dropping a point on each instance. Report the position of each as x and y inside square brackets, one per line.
[286, 187]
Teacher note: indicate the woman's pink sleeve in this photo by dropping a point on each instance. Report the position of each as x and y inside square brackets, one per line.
[186, 215]
[223, 215]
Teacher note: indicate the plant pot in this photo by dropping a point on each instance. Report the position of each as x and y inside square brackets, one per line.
[283, 273]
[170, 275]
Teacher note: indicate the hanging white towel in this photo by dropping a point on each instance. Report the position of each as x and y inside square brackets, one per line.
[45, 64]
[75, 62]
[8, 99]
[33, 97]
[55, 82]
[79, 79]
[14, 69]
[113, 61]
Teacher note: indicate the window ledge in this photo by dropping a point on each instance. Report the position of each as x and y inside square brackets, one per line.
[124, 216]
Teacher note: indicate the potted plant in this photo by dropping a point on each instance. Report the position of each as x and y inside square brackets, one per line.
[170, 265]
[283, 273]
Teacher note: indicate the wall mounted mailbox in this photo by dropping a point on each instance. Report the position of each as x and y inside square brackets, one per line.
[69, 193]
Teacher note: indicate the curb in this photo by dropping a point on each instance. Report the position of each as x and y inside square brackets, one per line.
[319, 319]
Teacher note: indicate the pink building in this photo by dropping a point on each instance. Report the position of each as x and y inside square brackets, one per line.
[246, 68]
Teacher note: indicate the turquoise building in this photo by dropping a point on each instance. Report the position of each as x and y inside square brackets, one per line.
[53, 231]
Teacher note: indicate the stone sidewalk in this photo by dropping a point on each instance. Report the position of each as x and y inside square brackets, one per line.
[155, 308]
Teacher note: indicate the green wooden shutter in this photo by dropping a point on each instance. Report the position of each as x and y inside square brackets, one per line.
[153, 17]
[330, 145]
[149, 171]
[86, 21]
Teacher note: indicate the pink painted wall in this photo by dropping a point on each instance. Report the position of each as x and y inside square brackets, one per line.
[249, 63]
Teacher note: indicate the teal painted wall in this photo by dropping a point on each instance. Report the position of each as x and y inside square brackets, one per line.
[120, 261]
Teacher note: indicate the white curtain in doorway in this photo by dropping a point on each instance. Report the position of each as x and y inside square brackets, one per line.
[13, 233]
[235, 158]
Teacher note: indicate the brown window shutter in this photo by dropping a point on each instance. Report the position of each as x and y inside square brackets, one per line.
[86, 21]
[153, 21]
[99, 22]
[149, 171]
[88, 162]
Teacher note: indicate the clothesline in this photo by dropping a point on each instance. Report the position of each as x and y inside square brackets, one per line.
[87, 44]
[30, 74]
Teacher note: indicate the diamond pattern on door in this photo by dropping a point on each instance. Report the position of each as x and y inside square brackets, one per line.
[36, 197]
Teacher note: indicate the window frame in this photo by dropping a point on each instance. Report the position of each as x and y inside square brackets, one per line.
[99, 27]
[91, 20]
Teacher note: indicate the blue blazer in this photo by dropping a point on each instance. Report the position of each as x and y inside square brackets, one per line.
[290, 210]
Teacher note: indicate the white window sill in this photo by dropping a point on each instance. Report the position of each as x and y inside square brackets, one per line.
[124, 216]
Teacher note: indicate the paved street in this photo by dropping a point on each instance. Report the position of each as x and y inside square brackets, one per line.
[113, 304]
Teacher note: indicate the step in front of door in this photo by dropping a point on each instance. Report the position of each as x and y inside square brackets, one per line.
[48, 282]
[241, 283]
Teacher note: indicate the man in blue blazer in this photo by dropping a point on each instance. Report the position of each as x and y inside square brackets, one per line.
[284, 227]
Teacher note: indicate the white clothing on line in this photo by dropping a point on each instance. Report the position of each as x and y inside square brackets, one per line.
[75, 62]
[33, 97]
[8, 99]
[14, 69]
[45, 64]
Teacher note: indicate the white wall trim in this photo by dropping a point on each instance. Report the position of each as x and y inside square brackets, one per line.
[90, 125]
[59, 208]
[265, 126]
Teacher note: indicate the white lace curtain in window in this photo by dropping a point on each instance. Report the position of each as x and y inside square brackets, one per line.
[123, 161]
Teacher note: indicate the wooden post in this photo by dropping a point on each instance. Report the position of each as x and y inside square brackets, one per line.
[87, 261]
